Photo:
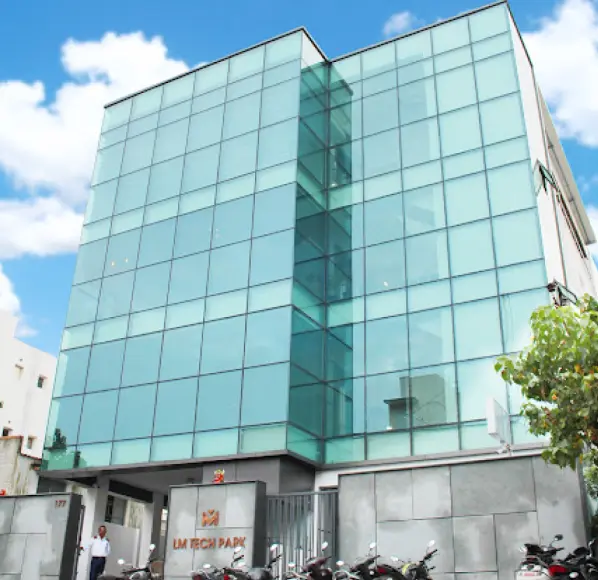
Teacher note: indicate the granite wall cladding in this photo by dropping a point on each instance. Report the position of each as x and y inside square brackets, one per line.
[39, 536]
[191, 541]
[477, 513]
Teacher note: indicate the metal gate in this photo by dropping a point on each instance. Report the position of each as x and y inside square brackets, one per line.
[301, 523]
[79, 534]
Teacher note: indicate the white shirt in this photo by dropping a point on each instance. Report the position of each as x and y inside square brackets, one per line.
[99, 548]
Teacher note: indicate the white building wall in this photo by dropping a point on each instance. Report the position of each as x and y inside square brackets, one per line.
[25, 406]
[17, 473]
[564, 262]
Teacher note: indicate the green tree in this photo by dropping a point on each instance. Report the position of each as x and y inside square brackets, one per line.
[558, 376]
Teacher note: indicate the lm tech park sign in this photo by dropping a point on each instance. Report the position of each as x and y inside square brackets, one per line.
[209, 519]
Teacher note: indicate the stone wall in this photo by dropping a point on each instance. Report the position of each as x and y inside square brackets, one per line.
[38, 536]
[478, 514]
[236, 514]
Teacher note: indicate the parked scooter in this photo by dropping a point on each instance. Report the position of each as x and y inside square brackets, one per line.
[236, 571]
[313, 569]
[418, 570]
[129, 572]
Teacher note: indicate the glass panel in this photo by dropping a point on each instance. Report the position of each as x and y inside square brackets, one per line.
[347, 449]
[244, 87]
[197, 200]
[270, 383]
[304, 444]
[238, 156]
[71, 372]
[223, 347]
[138, 152]
[384, 219]
[63, 421]
[122, 253]
[492, 46]
[436, 440]
[188, 278]
[130, 452]
[77, 336]
[135, 412]
[422, 175]
[272, 258]
[142, 358]
[132, 191]
[460, 131]
[379, 305]
[108, 162]
[417, 101]
[274, 210]
[477, 329]
[511, 188]
[97, 231]
[434, 396]
[181, 352]
[496, 76]
[171, 141]
[225, 305]
[83, 303]
[463, 164]
[232, 222]
[183, 314]
[416, 72]
[127, 221]
[477, 381]
[379, 83]
[453, 59]
[280, 102]
[475, 436]
[283, 49]
[378, 60]
[413, 48]
[151, 287]
[165, 180]
[216, 443]
[111, 329]
[278, 144]
[218, 401]
[385, 267]
[431, 295]
[242, 116]
[236, 188]
[211, 77]
[94, 455]
[156, 243]
[522, 277]
[268, 336]
[275, 176]
[524, 247]
[466, 199]
[178, 90]
[488, 22]
[222, 277]
[381, 153]
[90, 261]
[386, 345]
[201, 168]
[431, 337]
[375, 187]
[142, 125]
[450, 35]
[146, 102]
[456, 89]
[420, 142]
[175, 407]
[507, 152]
[474, 286]
[387, 445]
[161, 211]
[115, 298]
[380, 112]
[471, 248]
[193, 233]
[209, 100]
[387, 402]
[246, 64]
[116, 115]
[146, 322]
[424, 210]
[101, 201]
[516, 310]
[171, 448]
[427, 258]
[175, 113]
[502, 119]
[97, 417]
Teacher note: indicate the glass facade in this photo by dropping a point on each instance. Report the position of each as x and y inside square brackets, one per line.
[282, 252]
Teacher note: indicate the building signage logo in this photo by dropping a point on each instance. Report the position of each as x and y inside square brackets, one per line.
[209, 518]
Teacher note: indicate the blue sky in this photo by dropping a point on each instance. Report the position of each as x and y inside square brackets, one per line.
[60, 64]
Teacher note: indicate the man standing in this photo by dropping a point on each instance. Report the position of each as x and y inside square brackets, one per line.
[100, 550]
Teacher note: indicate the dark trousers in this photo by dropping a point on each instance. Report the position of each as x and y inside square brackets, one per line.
[96, 567]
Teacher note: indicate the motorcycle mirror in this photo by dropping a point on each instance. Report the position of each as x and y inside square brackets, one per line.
[431, 544]
[237, 550]
[394, 558]
[152, 547]
[372, 545]
[324, 546]
[206, 566]
[340, 563]
[558, 538]
[273, 547]
[121, 562]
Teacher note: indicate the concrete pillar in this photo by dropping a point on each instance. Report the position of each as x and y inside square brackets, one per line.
[151, 523]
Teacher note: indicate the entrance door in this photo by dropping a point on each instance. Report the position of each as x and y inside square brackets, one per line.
[79, 534]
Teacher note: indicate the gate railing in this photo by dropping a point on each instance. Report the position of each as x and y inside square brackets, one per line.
[301, 523]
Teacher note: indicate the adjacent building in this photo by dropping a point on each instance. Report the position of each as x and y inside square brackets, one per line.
[26, 378]
[295, 268]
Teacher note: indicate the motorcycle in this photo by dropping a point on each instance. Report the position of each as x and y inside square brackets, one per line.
[418, 570]
[235, 570]
[313, 569]
[369, 567]
[129, 572]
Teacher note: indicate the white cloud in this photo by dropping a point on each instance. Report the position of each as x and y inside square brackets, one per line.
[48, 142]
[564, 50]
[10, 302]
[400, 22]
